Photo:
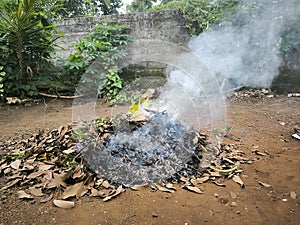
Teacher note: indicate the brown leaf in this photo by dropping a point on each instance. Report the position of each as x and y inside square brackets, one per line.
[16, 164]
[105, 184]
[215, 174]
[7, 171]
[35, 175]
[48, 175]
[84, 192]
[10, 184]
[23, 195]
[63, 204]
[51, 184]
[78, 173]
[194, 189]
[47, 198]
[265, 184]
[58, 180]
[70, 150]
[185, 180]
[44, 167]
[260, 153]
[63, 131]
[164, 189]
[219, 184]
[238, 180]
[118, 191]
[138, 116]
[36, 191]
[232, 194]
[138, 187]
[170, 186]
[293, 195]
[94, 193]
[200, 180]
[74, 190]
[28, 166]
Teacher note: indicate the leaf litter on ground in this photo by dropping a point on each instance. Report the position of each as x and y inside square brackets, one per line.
[51, 165]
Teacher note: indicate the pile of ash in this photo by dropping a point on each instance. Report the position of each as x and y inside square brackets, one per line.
[136, 152]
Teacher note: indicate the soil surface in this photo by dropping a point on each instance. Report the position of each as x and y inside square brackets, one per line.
[264, 124]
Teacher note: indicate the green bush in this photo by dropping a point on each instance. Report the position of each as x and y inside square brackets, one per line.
[200, 14]
[26, 43]
[102, 44]
[178, 5]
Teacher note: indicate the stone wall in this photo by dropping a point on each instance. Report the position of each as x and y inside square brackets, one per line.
[163, 25]
[166, 26]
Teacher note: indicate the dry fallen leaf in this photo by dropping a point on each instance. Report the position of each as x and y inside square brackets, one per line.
[43, 167]
[46, 198]
[7, 171]
[23, 195]
[200, 180]
[232, 194]
[10, 184]
[94, 193]
[59, 180]
[36, 191]
[215, 174]
[63, 204]
[138, 116]
[194, 189]
[238, 180]
[70, 150]
[170, 186]
[164, 189]
[185, 180]
[28, 166]
[16, 164]
[71, 191]
[105, 184]
[219, 184]
[293, 195]
[118, 191]
[260, 153]
[138, 187]
[35, 174]
[265, 184]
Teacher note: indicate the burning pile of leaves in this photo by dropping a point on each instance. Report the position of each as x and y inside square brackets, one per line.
[50, 166]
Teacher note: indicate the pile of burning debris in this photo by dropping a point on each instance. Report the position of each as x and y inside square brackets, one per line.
[54, 165]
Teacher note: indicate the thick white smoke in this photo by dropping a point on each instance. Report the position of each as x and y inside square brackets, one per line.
[245, 50]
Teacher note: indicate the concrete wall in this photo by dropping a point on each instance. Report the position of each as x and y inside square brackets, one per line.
[163, 25]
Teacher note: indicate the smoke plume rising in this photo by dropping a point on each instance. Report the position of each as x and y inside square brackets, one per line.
[245, 49]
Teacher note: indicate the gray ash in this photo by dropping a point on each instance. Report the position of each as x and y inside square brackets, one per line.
[142, 152]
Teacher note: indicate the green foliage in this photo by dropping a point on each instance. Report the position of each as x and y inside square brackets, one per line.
[140, 5]
[199, 14]
[26, 44]
[290, 41]
[178, 5]
[73, 8]
[101, 45]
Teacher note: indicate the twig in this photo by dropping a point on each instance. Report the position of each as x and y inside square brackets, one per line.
[60, 96]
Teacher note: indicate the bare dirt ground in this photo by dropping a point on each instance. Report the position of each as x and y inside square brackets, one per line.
[267, 124]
